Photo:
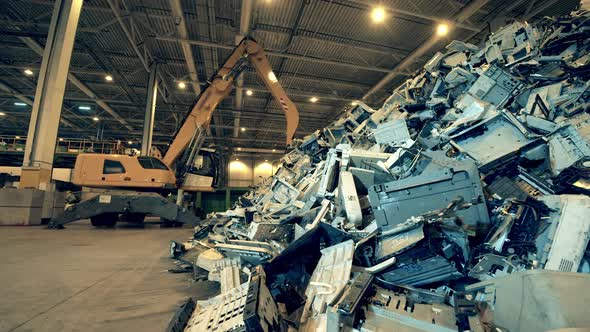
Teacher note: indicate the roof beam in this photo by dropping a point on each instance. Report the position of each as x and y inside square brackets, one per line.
[101, 60]
[182, 31]
[165, 91]
[278, 54]
[37, 48]
[17, 94]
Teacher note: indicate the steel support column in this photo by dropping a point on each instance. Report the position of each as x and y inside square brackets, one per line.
[245, 23]
[150, 111]
[46, 112]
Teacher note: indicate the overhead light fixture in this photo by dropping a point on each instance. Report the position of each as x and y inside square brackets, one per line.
[274, 150]
[95, 119]
[378, 14]
[2, 114]
[28, 72]
[130, 142]
[237, 159]
[17, 137]
[243, 129]
[272, 77]
[61, 139]
[19, 104]
[108, 78]
[265, 160]
[239, 149]
[249, 92]
[181, 85]
[313, 99]
[354, 103]
[442, 29]
[84, 108]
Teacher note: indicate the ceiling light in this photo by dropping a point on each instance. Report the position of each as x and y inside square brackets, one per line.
[239, 149]
[108, 78]
[130, 142]
[181, 85]
[274, 150]
[272, 77]
[19, 104]
[61, 139]
[84, 108]
[442, 29]
[249, 92]
[2, 114]
[237, 159]
[265, 160]
[354, 103]
[17, 137]
[243, 129]
[95, 118]
[28, 72]
[313, 99]
[378, 14]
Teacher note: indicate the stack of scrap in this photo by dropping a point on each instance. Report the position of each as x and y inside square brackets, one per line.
[438, 211]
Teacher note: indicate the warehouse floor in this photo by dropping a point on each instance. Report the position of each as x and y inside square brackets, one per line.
[82, 278]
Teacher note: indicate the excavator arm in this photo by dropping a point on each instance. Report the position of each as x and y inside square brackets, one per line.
[220, 87]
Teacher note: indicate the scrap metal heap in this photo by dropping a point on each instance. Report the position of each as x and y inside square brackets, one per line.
[449, 208]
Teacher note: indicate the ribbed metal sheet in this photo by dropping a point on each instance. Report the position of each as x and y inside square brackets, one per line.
[336, 30]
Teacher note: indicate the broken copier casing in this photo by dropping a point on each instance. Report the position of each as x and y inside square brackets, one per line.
[380, 220]
[442, 181]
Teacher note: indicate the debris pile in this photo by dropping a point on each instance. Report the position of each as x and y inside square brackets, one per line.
[469, 185]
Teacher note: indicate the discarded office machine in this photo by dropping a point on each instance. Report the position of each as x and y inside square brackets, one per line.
[460, 204]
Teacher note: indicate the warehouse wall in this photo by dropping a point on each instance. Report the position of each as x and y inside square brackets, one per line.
[249, 171]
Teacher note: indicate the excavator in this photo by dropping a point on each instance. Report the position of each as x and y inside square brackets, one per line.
[128, 188]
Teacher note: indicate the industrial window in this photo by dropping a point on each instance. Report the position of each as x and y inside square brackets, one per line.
[151, 163]
[112, 167]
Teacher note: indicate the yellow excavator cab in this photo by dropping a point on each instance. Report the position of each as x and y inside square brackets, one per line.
[111, 170]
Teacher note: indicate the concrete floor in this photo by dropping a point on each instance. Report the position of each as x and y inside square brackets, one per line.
[82, 278]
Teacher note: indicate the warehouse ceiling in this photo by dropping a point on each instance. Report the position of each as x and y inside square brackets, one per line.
[327, 54]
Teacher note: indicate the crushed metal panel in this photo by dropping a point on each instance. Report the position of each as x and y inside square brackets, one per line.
[227, 272]
[261, 313]
[547, 94]
[537, 300]
[458, 76]
[249, 251]
[364, 178]
[566, 147]
[388, 311]
[495, 86]
[491, 266]
[220, 313]
[392, 133]
[563, 244]
[208, 258]
[366, 159]
[388, 245]
[422, 272]
[350, 199]
[329, 277]
[492, 140]
[327, 179]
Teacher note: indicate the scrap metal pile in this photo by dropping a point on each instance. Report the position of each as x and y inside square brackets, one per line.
[448, 208]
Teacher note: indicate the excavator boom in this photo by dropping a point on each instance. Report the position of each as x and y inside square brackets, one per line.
[220, 87]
